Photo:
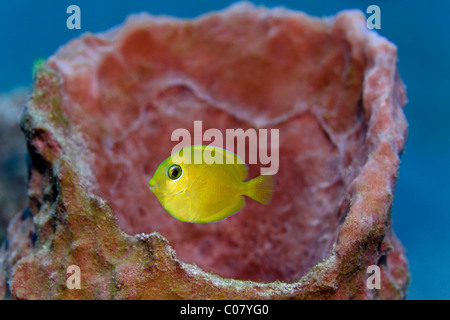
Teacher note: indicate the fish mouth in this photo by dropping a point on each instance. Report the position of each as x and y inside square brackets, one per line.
[155, 188]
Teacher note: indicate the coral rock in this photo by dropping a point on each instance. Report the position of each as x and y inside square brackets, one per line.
[100, 121]
[12, 157]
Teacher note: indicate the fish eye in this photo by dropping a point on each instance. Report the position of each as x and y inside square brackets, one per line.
[174, 172]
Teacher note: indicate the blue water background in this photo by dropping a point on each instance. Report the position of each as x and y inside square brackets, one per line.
[420, 29]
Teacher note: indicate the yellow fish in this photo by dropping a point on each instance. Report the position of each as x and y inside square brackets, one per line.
[208, 190]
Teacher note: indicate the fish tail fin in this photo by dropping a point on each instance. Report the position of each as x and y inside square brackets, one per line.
[261, 188]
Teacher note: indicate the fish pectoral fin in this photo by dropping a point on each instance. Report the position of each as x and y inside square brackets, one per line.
[237, 204]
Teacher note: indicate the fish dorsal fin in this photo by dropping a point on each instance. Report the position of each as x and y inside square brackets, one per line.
[241, 167]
